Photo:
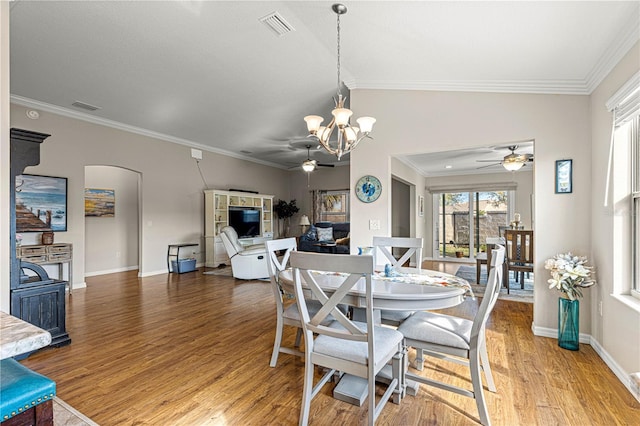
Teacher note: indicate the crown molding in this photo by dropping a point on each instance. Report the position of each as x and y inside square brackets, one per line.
[54, 109]
[626, 39]
[546, 87]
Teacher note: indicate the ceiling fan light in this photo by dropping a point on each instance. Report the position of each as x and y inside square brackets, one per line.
[309, 165]
[342, 116]
[366, 124]
[313, 123]
[512, 166]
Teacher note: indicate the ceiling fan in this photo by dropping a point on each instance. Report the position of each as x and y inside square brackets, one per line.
[310, 165]
[511, 162]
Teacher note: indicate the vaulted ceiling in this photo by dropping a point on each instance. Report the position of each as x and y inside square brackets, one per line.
[211, 75]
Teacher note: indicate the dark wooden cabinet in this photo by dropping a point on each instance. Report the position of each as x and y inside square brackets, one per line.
[35, 297]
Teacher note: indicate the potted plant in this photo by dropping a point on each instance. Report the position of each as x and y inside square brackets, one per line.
[569, 275]
[459, 252]
[284, 211]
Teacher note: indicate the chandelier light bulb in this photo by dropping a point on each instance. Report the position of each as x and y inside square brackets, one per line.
[366, 124]
[313, 123]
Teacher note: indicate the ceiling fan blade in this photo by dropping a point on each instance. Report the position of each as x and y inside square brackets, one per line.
[488, 165]
[489, 161]
[325, 165]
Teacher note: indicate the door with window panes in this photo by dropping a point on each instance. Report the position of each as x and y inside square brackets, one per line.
[464, 220]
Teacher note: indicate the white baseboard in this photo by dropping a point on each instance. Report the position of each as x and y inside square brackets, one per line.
[622, 375]
[109, 271]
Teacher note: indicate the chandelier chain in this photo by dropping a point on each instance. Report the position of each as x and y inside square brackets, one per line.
[338, 27]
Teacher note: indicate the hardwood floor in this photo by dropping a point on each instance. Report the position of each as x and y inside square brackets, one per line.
[194, 349]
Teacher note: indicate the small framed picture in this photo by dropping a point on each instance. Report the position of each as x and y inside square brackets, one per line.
[420, 205]
[564, 176]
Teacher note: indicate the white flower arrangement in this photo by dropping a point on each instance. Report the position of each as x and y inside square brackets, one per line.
[569, 274]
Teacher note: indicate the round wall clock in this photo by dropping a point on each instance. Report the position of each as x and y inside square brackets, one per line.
[368, 189]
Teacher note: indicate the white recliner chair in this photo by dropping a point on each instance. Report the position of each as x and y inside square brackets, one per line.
[247, 263]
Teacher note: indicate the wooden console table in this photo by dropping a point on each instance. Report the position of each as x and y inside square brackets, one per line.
[51, 254]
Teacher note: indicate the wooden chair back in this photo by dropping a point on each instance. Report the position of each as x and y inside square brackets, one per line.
[387, 244]
[519, 247]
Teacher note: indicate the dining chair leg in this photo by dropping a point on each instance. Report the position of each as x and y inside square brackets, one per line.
[486, 368]
[307, 392]
[476, 381]
[298, 338]
[277, 342]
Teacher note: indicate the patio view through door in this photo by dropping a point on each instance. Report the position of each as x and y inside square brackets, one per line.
[464, 220]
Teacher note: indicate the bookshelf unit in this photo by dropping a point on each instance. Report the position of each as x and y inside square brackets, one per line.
[216, 204]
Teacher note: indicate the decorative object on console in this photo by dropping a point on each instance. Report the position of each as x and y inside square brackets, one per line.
[368, 189]
[569, 274]
[47, 238]
[348, 137]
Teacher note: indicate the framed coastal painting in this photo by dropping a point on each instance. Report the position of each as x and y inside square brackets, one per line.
[41, 203]
[99, 202]
[564, 176]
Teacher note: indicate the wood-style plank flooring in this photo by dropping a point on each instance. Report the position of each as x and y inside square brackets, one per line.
[194, 349]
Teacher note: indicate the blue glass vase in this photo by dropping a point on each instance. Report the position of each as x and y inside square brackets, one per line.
[568, 324]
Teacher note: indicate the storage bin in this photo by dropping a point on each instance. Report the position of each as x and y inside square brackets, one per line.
[183, 265]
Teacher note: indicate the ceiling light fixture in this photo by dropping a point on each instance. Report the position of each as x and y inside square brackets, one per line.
[512, 164]
[348, 137]
[309, 165]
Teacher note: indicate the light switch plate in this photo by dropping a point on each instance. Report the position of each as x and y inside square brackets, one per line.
[374, 224]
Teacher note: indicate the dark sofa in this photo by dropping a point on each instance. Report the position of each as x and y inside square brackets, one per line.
[339, 234]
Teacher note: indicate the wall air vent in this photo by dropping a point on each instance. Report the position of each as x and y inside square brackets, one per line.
[277, 23]
[83, 105]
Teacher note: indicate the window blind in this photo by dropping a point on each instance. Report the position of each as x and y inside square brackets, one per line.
[473, 187]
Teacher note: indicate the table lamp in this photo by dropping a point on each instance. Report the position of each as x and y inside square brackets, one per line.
[304, 222]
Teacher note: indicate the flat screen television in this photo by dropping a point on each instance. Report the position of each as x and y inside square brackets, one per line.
[245, 220]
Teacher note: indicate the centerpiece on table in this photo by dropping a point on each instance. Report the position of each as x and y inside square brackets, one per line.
[569, 275]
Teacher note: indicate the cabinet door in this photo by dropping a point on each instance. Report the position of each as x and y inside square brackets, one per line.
[44, 307]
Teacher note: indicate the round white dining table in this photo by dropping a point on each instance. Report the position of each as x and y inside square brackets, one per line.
[410, 290]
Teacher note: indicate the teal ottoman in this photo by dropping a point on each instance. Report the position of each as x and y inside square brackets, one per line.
[24, 395]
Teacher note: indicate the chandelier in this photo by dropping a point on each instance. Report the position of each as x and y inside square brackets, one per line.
[348, 136]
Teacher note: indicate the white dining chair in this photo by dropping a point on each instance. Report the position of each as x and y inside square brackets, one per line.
[356, 348]
[459, 340]
[278, 253]
[386, 246]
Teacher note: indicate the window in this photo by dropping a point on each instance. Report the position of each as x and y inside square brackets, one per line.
[625, 155]
[465, 220]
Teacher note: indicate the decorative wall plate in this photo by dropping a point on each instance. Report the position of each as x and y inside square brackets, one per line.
[368, 189]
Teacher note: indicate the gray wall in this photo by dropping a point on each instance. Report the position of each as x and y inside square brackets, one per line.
[172, 201]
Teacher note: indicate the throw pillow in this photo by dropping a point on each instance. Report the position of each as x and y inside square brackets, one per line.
[324, 234]
[343, 241]
[310, 235]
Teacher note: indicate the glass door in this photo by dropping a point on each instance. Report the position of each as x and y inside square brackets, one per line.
[464, 220]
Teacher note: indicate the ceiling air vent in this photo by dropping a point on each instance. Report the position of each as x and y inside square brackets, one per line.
[277, 23]
[88, 107]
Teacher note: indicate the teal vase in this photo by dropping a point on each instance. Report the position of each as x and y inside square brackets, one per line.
[568, 324]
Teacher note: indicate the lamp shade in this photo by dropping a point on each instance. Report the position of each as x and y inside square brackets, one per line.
[342, 116]
[366, 124]
[313, 122]
[304, 220]
[512, 166]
